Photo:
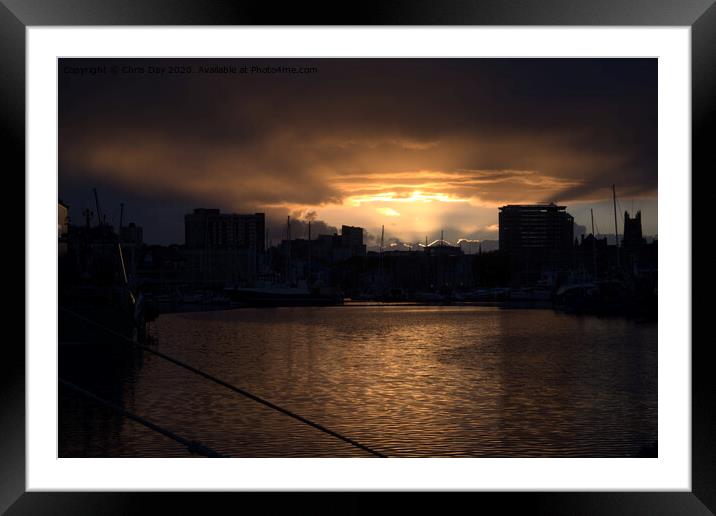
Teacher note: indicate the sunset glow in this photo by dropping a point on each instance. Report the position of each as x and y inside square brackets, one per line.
[414, 197]
[340, 147]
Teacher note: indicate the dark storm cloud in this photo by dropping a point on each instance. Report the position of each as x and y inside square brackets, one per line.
[492, 130]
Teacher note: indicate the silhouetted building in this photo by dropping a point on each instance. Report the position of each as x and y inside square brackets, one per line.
[223, 248]
[638, 257]
[131, 234]
[535, 226]
[443, 248]
[633, 237]
[352, 238]
[537, 239]
[320, 258]
[209, 228]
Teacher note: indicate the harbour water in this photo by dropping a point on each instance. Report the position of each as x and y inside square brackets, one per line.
[408, 381]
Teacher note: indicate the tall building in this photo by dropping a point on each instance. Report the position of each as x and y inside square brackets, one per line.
[352, 238]
[535, 226]
[538, 240]
[636, 255]
[223, 248]
[632, 231]
[211, 229]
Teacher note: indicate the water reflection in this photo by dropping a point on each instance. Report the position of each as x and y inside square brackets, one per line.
[405, 380]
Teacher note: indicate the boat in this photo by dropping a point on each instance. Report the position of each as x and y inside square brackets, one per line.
[605, 297]
[282, 295]
[102, 315]
[531, 295]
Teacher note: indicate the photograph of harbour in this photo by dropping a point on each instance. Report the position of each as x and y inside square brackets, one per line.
[374, 257]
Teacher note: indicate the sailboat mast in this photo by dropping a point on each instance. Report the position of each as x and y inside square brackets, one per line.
[382, 235]
[594, 244]
[121, 218]
[288, 247]
[616, 229]
[99, 212]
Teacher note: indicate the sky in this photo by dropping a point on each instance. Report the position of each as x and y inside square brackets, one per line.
[419, 146]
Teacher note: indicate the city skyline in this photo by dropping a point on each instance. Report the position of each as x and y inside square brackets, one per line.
[420, 146]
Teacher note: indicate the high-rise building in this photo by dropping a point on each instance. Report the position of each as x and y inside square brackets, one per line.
[535, 226]
[211, 229]
[538, 240]
[352, 238]
[223, 248]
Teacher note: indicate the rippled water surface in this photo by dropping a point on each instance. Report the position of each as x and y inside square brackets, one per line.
[405, 380]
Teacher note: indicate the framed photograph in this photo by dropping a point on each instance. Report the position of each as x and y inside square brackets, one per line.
[291, 242]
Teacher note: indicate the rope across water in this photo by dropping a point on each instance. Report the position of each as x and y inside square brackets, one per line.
[192, 446]
[231, 387]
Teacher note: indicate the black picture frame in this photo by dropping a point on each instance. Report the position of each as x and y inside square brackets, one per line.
[17, 15]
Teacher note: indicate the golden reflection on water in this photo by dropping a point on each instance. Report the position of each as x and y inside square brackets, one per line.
[405, 380]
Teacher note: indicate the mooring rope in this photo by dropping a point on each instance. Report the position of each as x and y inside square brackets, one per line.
[192, 446]
[232, 387]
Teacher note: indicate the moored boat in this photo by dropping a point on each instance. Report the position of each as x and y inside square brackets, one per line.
[275, 296]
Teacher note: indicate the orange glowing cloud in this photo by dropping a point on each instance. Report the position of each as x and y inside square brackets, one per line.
[388, 212]
[341, 144]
